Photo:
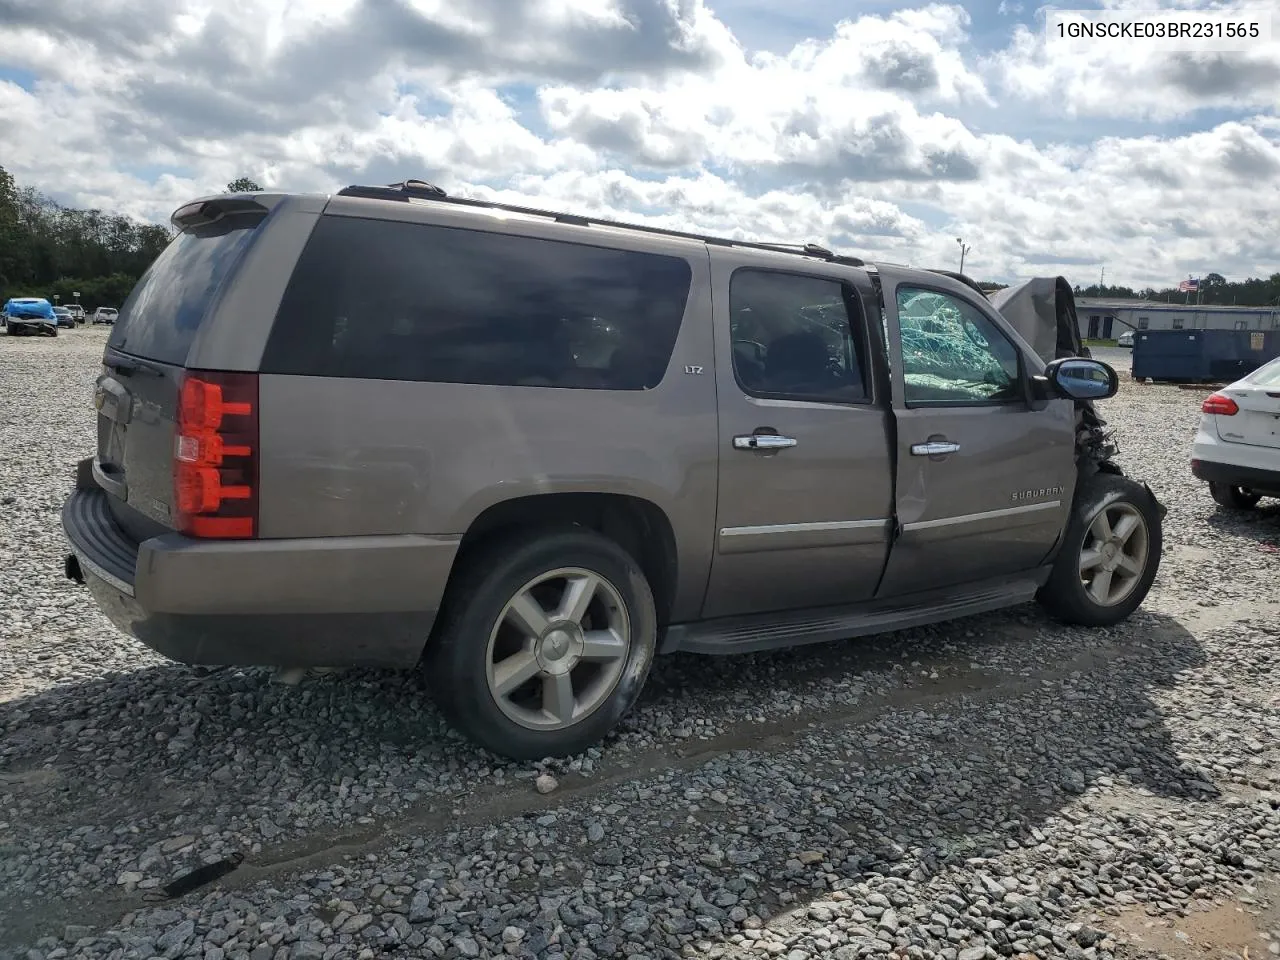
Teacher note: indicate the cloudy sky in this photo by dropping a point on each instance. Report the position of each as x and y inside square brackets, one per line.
[881, 129]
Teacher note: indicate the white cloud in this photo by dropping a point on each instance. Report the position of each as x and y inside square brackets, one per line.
[864, 136]
[1139, 80]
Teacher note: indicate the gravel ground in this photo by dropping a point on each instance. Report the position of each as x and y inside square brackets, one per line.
[1001, 786]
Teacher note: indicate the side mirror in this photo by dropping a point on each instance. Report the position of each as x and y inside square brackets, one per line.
[1077, 378]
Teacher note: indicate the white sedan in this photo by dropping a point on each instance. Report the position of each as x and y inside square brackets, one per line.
[1237, 448]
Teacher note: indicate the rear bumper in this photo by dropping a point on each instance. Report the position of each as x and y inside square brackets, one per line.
[28, 323]
[1237, 464]
[334, 602]
[1252, 478]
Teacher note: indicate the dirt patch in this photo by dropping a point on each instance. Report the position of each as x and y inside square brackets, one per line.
[1246, 928]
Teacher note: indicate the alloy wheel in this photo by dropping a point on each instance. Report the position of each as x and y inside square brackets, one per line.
[1115, 553]
[558, 649]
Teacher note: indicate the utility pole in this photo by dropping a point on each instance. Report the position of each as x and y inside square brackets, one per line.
[964, 248]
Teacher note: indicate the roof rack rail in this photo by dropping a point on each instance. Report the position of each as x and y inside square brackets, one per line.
[396, 191]
[422, 190]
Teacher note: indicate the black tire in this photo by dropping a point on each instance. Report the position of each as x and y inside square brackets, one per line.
[1065, 595]
[457, 657]
[1233, 497]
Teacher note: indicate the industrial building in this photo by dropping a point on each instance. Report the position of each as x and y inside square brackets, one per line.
[1106, 319]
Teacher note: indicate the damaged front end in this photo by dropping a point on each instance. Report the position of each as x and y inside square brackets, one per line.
[1043, 311]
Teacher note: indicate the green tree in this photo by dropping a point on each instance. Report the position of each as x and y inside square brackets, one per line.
[47, 249]
[243, 185]
[13, 241]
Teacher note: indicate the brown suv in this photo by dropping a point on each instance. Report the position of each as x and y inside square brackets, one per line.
[532, 450]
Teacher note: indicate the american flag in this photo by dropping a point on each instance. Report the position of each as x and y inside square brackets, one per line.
[1189, 286]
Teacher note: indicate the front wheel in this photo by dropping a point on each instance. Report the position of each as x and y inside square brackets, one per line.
[1110, 554]
[545, 641]
[1233, 497]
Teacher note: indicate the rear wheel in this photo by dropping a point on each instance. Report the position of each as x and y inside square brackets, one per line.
[1110, 554]
[546, 640]
[1234, 497]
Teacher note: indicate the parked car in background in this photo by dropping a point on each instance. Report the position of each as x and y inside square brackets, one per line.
[1125, 339]
[105, 315]
[314, 452]
[27, 315]
[64, 316]
[77, 312]
[1237, 447]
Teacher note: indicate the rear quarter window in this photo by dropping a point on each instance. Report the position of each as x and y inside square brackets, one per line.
[160, 318]
[1268, 375]
[387, 300]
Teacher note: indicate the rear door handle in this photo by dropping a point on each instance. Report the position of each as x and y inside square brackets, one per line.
[763, 441]
[934, 448]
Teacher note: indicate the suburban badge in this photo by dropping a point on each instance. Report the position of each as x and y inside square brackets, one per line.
[1039, 494]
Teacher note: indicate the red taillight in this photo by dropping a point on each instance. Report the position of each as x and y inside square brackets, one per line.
[215, 455]
[1220, 404]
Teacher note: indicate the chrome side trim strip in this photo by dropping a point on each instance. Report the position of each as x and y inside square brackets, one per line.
[818, 527]
[987, 515]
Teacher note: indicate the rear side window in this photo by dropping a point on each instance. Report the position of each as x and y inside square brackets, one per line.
[384, 300]
[160, 318]
[1268, 375]
[794, 338]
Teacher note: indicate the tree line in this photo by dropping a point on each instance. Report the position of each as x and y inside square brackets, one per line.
[51, 251]
[1213, 289]
[48, 250]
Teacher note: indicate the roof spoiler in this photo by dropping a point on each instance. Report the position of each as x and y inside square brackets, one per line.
[200, 212]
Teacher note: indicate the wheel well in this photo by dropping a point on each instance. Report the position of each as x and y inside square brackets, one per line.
[637, 525]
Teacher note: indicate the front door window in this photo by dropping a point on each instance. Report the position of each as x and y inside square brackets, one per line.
[953, 354]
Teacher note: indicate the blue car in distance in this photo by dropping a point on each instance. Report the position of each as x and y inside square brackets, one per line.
[25, 315]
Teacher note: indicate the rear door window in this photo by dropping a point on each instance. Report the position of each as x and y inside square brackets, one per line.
[794, 338]
[387, 300]
[160, 318]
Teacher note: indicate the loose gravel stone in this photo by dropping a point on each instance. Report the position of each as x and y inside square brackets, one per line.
[546, 783]
[1002, 786]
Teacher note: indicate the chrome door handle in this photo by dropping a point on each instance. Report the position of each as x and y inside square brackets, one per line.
[763, 441]
[934, 448]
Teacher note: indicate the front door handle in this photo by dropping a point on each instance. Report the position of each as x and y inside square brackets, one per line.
[763, 441]
[934, 448]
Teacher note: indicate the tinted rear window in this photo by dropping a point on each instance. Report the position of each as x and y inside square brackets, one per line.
[386, 300]
[160, 319]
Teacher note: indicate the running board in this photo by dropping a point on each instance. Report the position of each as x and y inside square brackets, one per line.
[793, 628]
